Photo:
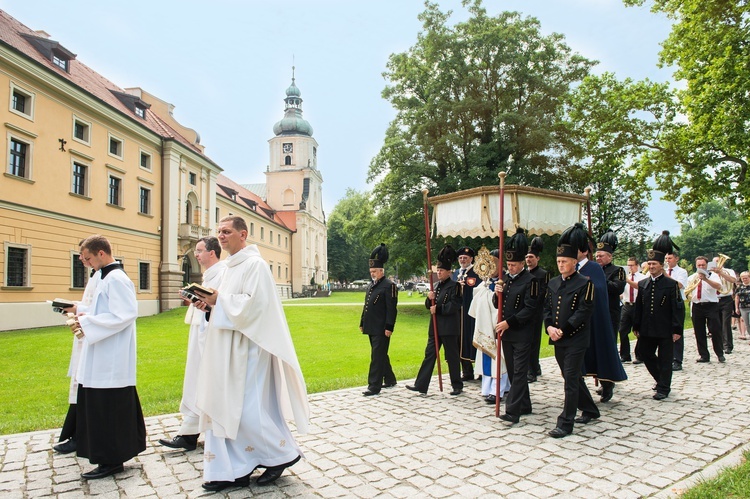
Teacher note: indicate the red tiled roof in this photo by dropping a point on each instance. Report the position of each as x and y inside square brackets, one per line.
[82, 76]
[289, 218]
[247, 198]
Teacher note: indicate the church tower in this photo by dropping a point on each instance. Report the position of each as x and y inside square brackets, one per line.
[294, 187]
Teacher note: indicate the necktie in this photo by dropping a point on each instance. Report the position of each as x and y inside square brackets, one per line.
[698, 296]
[632, 291]
[577, 265]
[670, 272]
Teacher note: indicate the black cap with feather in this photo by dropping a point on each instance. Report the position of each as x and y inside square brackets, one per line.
[608, 242]
[573, 240]
[517, 246]
[379, 256]
[663, 245]
[447, 257]
[537, 246]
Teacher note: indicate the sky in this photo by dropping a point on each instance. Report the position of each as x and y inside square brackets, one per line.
[225, 65]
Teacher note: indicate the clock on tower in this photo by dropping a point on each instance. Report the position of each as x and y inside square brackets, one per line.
[287, 148]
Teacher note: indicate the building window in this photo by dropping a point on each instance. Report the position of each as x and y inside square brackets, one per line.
[145, 201]
[144, 276]
[252, 229]
[60, 62]
[287, 160]
[115, 147]
[278, 239]
[261, 233]
[193, 179]
[217, 215]
[140, 111]
[17, 265]
[18, 164]
[78, 272]
[270, 236]
[286, 242]
[278, 271]
[21, 102]
[271, 267]
[286, 273]
[81, 131]
[115, 191]
[145, 160]
[80, 174]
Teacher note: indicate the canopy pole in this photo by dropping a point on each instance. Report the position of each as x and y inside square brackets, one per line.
[432, 301]
[501, 225]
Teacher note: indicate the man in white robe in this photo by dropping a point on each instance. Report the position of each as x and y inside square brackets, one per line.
[207, 252]
[250, 381]
[67, 441]
[110, 426]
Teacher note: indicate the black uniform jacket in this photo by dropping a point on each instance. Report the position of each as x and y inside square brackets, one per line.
[543, 277]
[448, 302]
[379, 314]
[520, 299]
[568, 306]
[615, 284]
[659, 309]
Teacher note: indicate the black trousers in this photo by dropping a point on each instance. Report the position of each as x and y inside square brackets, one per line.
[516, 355]
[577, 395]
[726, 307]
[69, 426]
[450, 349]
[381, 371]
[658, 365]
[707, 313]
[626, 325]
[536, 345]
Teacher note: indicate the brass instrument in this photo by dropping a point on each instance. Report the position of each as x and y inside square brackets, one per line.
[692, 284]
[726, 286]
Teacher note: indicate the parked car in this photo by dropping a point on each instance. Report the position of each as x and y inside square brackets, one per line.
[422, 287]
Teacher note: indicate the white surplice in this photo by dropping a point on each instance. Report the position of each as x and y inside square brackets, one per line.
[250, 381]
[485, 315]
[196, 341]
[75, 354]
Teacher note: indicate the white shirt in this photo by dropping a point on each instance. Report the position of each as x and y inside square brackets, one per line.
[625, 296]
[708, 294]
[680, 275]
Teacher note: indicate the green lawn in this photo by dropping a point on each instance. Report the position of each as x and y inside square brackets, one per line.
[331, 350]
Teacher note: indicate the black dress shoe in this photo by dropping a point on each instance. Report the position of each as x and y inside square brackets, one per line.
[676, 366]
[727, 352]
[187, 442]
[490, 399]
[243, 481]
[456, 391]
[66, 447]
[273, 473]
[531, 378]
[415, 389]
[369, 393]
[660, 396]
[558, 433]
[102, 471]
[608, 389]
[625, 359]
[388, 385]
[703, 359]
[584, 419]
[510, 419]
[722, 359]
[467, 377]
[637, 361]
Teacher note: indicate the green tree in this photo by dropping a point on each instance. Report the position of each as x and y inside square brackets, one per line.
[351, 236]
[706, 156]
[468, 97]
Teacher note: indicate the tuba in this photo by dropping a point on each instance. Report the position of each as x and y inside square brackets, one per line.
[726, 286]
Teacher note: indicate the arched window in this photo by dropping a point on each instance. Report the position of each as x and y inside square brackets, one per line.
[188, 212]
[288, 198]
[288, 160]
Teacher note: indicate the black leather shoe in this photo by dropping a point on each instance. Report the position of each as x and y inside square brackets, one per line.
[660, 396]
[625, 359]
[273, 473]
[388, 385]
[467, 377]
[676, 366]
[187, 442]
[490, 399]
[558, 433]
[727, 352]
[415, 389]
[584, 419]
[243, 481]
[608, 389]
[703, 359]
[510, 419]
[637, 361]
[369, 393]
[722, 359]
[103, 470]
[66, 447]
[599, 390]
[456, 391]
[531, 378]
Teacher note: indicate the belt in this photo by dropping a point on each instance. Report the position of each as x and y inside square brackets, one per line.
[727, 297]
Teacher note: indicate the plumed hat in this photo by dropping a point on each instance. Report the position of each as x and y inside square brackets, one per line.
[607, 242]
[447, 257]
[517, 246]
[379, 256]
[537, 246]
[466, 251]
[662, 246]
[573, 240]
[495, 253]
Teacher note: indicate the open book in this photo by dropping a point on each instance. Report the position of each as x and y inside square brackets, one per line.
[58, 304]
[193, 287]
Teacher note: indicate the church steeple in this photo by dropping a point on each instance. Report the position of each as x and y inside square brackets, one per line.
[292, 123]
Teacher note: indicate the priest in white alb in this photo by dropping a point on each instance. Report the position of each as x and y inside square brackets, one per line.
[250, 381]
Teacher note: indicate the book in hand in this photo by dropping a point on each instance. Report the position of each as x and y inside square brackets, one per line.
[193, 298]
[58, 304]
[193, 287]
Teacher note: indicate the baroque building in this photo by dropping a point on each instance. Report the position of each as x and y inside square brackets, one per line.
[84, 156]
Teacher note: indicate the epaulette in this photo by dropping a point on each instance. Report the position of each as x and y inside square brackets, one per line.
[621, 274]
[534, 288]
[547, 277]
[589, 291]
[394, 290]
